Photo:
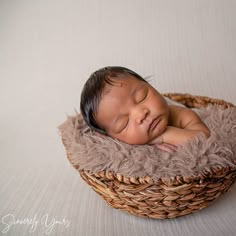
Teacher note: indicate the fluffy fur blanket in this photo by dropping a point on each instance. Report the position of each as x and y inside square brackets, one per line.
[94, 152]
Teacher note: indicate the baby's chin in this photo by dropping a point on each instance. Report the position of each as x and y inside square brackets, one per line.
[157, 140]
[157, 136]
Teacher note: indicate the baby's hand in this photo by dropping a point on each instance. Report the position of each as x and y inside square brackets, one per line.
[166, 147]
[173, 138]
[178, 136]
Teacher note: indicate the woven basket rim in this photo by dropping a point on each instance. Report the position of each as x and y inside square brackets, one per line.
[198, 98]
[213, 172]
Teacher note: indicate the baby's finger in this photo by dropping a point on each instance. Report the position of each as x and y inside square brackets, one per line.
[171, 146]
[165, 147]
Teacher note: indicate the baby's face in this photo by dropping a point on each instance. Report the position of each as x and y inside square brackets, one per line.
[132, 111]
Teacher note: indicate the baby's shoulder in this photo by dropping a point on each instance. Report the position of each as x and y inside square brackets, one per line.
[179, 116]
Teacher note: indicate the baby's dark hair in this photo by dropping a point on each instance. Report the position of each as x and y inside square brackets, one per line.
[93, 89]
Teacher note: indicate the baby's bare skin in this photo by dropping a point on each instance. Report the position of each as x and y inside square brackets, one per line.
[183, 125]
[133, 112]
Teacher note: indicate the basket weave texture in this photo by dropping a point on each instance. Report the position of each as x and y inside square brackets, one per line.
[165, 197]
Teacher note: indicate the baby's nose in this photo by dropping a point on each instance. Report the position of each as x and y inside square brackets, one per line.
[142, 115]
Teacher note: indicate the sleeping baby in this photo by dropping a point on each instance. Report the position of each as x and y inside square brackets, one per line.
[118, 102]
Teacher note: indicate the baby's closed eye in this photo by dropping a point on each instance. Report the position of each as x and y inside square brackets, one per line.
[141, 95]
[122, 124]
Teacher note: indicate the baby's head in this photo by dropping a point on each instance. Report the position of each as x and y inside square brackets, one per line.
[120, 103]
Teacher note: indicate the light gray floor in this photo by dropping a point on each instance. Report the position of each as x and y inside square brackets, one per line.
[47, 51]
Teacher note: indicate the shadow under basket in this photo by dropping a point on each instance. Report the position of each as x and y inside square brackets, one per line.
[165, 197]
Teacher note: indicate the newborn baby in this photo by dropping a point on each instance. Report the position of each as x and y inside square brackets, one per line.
[118, 102]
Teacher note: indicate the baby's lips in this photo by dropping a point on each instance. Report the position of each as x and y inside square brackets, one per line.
[153, 123]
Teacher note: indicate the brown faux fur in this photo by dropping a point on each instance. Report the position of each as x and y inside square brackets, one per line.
[95, 152]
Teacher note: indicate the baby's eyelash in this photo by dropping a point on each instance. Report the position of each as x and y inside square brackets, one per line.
[144, 97]
[126, 125]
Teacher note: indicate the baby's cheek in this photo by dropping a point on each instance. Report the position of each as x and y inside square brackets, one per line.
[134, 135]
[137, 138]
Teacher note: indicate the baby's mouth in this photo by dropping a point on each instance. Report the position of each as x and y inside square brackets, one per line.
[153, 124]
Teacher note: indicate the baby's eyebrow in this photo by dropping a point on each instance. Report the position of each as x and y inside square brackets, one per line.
[135, 90]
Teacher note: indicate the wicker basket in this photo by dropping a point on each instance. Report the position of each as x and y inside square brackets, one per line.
[165, 197]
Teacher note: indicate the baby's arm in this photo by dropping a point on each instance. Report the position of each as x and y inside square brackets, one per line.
[184, 124]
